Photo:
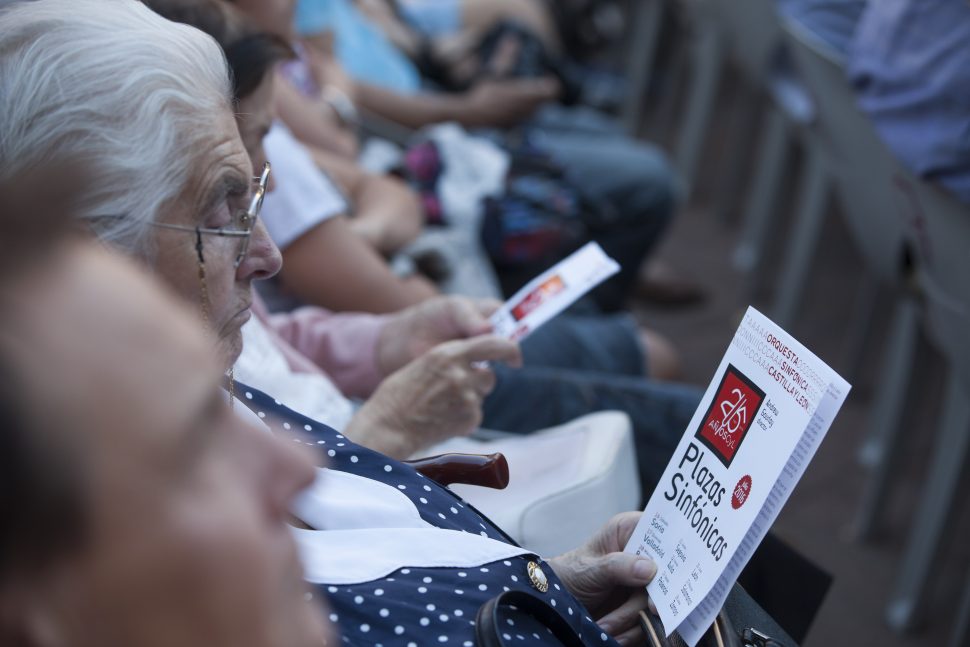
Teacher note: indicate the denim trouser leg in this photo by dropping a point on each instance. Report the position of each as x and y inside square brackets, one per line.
[631, 183]
[532, 398]
[600, 343]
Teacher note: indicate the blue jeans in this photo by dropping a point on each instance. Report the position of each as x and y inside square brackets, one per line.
[629, 182]
[535, 397]
[577, 365]
[582, 339]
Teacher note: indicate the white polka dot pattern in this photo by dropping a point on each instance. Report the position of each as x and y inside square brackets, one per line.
[426, 606]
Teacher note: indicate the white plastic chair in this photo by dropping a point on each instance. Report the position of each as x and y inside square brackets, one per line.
[961, 628]
[749, 33]
[942, 226]
[646, 18]
[867, 179]
[565, 482]
[860, 165]
[744, 31]
[887, 210]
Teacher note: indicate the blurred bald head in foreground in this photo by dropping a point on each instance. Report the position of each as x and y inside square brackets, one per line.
[128, 519]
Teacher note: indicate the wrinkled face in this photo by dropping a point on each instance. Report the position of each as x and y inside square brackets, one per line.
[275, 16]
[185, 506]
[220, 187]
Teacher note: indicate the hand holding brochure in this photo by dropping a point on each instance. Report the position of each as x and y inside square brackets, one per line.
[758, 425]
[552, 292]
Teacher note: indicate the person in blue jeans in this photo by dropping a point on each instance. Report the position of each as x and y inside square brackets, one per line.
[574, 365]
[909, 63]
[578, 365]
[629, 184]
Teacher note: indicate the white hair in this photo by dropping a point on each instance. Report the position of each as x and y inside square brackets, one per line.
[119, 88]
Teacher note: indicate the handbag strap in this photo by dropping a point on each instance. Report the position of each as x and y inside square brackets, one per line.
[721, 633]
[489, 634]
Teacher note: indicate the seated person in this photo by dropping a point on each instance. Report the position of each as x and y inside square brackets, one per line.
[910, 64]
[382, 210]
[329, 259]
[449, 19]
[140, 78]
[129, 519]
[907, 61]
[628, 190]
[396, 362]
[446, 35]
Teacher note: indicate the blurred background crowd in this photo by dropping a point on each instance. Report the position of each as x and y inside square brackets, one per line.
[344, 190]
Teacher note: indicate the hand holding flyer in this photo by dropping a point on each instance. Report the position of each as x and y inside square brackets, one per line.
[759, 423]
[552, 292]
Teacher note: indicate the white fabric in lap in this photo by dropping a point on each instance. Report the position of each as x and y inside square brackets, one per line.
[355, 556]
[303, 197]
[474, 168]
[565, 482]
[373, 530]
[342, 501]
[264, 367]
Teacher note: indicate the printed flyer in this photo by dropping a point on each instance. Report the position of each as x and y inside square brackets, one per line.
[553, 291]
[758, 425]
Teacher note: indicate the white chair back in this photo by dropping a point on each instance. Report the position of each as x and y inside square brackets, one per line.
[864, 172]
[941, 231]
[753, 32]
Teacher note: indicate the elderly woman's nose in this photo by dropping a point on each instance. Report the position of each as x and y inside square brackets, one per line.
[263, 260]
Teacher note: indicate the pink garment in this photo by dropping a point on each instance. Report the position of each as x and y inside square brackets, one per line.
[343, 346]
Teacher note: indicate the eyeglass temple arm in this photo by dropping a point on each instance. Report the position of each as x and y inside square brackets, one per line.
[198, 245]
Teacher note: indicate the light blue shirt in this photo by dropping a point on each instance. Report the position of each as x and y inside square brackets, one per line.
[361, 47]
[910, 65]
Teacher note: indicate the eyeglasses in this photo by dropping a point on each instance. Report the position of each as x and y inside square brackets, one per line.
[243, 222]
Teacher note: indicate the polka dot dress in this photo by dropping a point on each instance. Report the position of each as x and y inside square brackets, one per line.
[437, 606]
[425, 606]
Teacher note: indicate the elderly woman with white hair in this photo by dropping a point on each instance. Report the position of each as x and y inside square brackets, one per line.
[176, 189]
[147, 105]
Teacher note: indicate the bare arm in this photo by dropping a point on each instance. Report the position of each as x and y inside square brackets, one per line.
[410, 110]
[332, 267]
[314, 122]
[488, 103]
[385, 211]
[399, 33]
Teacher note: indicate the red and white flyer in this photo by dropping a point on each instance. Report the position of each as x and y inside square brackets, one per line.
[553, 291]
[759, 424]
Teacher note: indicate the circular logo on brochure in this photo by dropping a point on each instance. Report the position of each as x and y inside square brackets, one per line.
[741, 492]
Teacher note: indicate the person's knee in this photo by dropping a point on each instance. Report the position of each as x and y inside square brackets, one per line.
[663, 358]
[654, 185]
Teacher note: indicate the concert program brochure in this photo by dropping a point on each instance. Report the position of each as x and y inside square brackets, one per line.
[758, 425]
[553, 291]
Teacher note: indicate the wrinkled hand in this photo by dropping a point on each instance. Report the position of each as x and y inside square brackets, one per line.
[507, 102]
[416, 330]
[609, 582]
[435, 397]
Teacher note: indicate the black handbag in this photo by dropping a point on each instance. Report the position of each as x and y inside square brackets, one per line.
[741, 623]
[721, 633]
[488, 632]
